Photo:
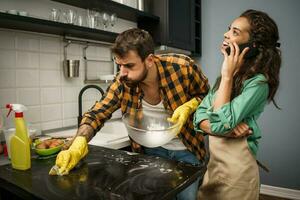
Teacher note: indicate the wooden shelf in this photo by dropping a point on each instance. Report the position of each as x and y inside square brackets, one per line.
[46, 26]
[122, 11]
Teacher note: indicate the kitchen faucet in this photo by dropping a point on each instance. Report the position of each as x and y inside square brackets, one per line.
[80, 99]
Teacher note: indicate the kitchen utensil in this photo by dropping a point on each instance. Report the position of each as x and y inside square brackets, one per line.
[70, 67]
[150, 128]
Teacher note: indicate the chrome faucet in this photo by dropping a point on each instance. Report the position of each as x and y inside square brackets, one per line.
[80, 99]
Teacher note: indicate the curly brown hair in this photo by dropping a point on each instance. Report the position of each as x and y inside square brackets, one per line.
[134, 39]
[264, 34]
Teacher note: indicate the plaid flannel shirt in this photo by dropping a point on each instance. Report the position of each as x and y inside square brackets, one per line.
[179, 81]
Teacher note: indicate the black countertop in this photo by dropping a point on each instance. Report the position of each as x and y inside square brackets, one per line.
[103, 174]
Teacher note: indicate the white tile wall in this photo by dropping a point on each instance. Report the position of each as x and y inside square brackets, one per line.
[75, 50]
[7, 40]
[27, 42]
[7, 78]
[51, 95]
[51, 112]
[27, 78]
[50, 78]
[28, 60]
[33, 114]
[70, 93]
[7, 95]
[29, 96]
[31, 69]
[51, 125]
[50, 45]
[50, 61]
[7, 58]
[69, 122]
[70, 110]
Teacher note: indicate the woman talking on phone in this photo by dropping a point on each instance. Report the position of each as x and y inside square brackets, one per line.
[228, 114]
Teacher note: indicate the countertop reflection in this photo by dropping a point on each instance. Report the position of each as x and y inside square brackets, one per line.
[103, 174]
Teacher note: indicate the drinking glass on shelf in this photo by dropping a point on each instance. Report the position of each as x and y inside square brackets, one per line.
[105, 20]
[70, 16]
[113, 20]
[91, 18]
[79, 20]
[55, 14]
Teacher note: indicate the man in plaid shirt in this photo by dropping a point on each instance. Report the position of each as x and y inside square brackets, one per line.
[169, 81]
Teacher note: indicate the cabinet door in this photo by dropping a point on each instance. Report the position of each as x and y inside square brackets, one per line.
[181, 24]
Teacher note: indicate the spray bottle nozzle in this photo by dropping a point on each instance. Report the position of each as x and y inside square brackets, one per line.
[10, 109]
[17, 108]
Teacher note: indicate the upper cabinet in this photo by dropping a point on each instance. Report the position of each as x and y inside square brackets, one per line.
[28, 23]
[179, 25]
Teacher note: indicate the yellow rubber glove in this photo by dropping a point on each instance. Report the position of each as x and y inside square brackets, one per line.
[182, 113]
[68, 159]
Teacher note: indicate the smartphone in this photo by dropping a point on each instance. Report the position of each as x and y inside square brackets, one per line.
[253, 51]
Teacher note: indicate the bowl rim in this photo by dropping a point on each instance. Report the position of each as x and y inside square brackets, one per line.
[175, 125]
[49, 151]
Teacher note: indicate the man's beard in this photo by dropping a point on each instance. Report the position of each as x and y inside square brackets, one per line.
[134, 83]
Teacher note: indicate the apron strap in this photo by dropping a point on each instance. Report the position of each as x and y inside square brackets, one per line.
[264, 167]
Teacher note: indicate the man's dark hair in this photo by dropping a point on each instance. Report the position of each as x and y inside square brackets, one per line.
[136, 40]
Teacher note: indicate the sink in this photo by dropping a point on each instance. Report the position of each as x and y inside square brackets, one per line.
[112, 135]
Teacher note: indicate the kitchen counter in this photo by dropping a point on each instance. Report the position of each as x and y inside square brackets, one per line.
[112, 135]
[104, 174]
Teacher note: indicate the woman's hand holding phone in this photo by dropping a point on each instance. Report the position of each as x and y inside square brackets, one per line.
[232, 61]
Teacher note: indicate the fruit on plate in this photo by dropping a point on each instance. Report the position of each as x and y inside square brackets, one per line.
[49, 147]
[50, 143]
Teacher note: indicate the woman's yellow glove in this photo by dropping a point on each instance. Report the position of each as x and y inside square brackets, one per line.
[68, 159]
[182, 113]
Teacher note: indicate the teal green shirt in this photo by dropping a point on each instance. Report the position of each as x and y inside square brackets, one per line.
[245, 107]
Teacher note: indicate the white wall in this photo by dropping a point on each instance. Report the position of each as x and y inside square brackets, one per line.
[279, 146]
[31, 69]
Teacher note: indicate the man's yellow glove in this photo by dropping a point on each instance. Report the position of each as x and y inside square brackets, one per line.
[182, 113]
[68, 159]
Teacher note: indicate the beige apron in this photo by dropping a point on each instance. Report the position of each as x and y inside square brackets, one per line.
[232, 172]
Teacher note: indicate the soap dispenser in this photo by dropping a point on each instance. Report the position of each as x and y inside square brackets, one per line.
[19, 143]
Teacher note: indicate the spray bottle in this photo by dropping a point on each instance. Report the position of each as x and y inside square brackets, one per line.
[19, 143]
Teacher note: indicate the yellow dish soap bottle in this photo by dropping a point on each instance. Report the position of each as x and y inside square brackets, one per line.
[19, 143]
